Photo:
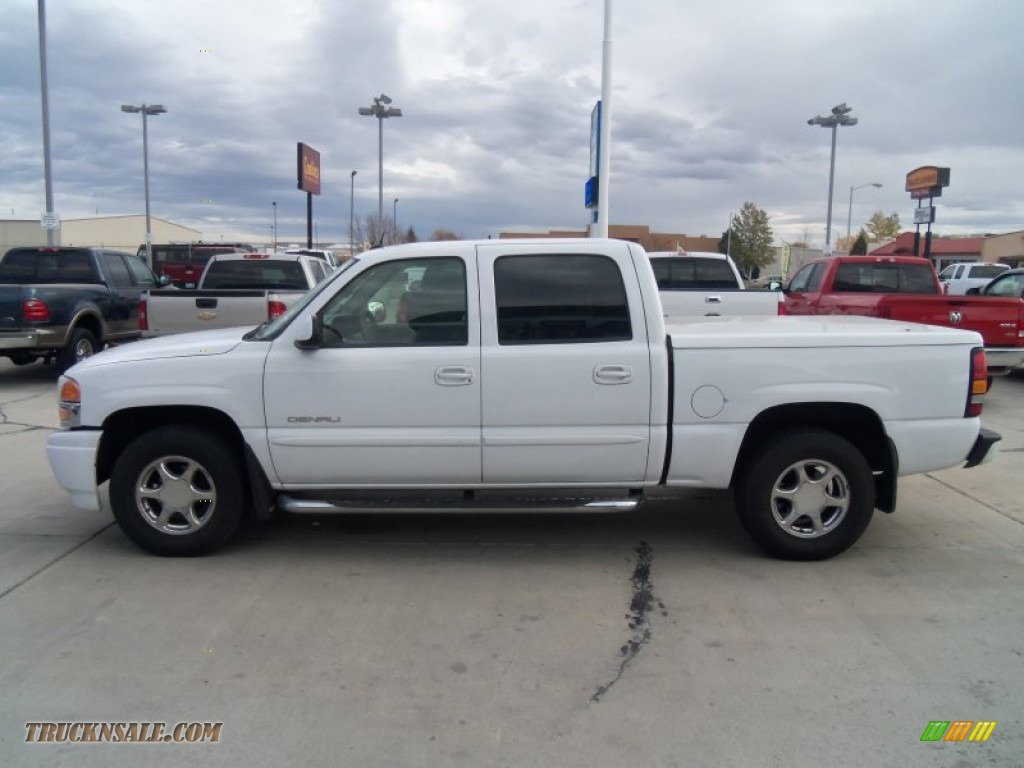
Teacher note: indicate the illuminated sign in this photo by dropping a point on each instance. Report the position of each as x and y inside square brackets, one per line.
[309, 169]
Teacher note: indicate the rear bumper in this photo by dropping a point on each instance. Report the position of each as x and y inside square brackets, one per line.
[34, 339]
[984, 449]
[72, 457]
[1003, 359]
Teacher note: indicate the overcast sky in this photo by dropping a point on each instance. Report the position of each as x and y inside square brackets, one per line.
[709, 109]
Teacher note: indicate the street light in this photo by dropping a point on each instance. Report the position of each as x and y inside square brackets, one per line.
[351, 216]
[840, 116]
[146, 110]
[849, 211]
[275, 225]
[380, 110]
[394, 217]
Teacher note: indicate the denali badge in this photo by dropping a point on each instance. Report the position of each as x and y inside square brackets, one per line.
[313, 419]
[955, 316]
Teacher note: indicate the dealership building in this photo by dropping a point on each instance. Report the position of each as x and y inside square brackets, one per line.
[120, 233]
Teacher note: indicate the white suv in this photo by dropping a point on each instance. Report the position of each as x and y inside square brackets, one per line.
[957, 279]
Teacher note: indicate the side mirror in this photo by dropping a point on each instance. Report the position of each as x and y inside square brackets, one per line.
[309, 332]
[163, 281]
[377, 311]
[774, 285]
[973, 291]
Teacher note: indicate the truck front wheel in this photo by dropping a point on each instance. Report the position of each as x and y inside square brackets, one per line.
[808, 495]
[177, 491]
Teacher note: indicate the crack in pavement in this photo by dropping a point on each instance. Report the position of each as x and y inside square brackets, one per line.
[55, 560]
[975, 499]
[640, 606]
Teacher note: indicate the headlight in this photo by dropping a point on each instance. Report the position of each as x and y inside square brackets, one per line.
[69, 403]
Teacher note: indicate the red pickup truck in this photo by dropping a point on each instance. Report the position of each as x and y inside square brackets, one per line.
[906, 288]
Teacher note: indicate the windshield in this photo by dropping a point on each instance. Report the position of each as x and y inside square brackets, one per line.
[271, 330]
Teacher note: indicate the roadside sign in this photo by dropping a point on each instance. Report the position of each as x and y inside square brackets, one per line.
[49, 220]
[924, 215]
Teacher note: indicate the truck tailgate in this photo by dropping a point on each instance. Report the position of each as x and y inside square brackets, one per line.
[181, 311]
[10, 307]
[725, 303]
[996, 319]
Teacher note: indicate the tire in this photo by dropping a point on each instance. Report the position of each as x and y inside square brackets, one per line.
[178, 491]
[836, 486]
[81, 345]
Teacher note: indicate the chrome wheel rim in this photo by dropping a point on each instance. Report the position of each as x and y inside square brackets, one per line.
[83, 349]
[175, 495]
[810, 498]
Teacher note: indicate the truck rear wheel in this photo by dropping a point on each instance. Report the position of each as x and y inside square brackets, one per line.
[808, 495]
[178, 491]
[81, 345]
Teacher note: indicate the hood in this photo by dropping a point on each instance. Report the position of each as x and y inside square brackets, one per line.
[201, 343]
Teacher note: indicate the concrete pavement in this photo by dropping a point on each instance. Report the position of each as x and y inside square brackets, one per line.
[662, 638]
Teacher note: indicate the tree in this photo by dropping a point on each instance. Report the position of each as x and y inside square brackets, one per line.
[410, 236]
[752, 238]
[860, 245]
[882, 227]
[374, 232]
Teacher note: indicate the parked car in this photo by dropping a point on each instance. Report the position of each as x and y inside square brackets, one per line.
[328, 256]
[64, 304]
[183, 263]
[958, 279]
[525, 374]
[695, 283]
[1008, 285]
[905, 288]
[235, 289]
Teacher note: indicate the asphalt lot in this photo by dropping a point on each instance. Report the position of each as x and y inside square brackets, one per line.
[662, 638]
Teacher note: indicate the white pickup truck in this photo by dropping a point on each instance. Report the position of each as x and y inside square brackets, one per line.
[235, 289]
[503, 375]
[704, 283]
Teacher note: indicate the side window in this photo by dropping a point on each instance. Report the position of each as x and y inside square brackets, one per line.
[143, 277]
[958, 272]
[799, 282]
[114, 266]
[1004, 286]
[560, 299]
[412, 302]
[816, 276]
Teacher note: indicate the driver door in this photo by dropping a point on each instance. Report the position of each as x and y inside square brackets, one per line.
[392, 395]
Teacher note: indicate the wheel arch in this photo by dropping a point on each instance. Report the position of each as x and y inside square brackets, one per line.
[88, 320]
[858, 424]
[122, 427]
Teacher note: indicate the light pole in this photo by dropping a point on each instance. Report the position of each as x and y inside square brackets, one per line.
[44, 90]
[146, 110]
[351, 217]
[380, 110]
[275, 225]
[840, 116]
[849, 210]
[394, 217]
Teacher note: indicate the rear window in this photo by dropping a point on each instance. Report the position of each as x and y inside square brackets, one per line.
[679, 273]
[256, 273]
[49, 266]
[885, 277]
[988, 270]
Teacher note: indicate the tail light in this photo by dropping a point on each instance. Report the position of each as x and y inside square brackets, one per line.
[35, 310]
[143, 316]
[275, 308]
[979, 383]
[782, 306]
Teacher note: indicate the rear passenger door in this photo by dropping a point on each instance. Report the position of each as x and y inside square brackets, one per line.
[565, 366]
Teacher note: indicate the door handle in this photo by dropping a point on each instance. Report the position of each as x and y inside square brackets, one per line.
[206, 303]
[713, 299]
[613, 374]
[453, 376]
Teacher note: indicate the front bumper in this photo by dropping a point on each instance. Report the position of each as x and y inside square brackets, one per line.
[984, 449]
[72, 457]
